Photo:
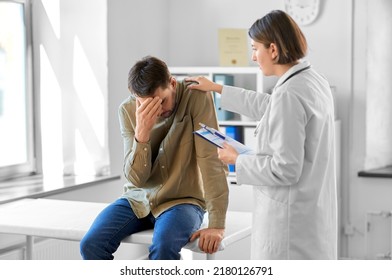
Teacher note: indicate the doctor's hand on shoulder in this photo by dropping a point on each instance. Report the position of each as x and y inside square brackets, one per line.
[203, 84]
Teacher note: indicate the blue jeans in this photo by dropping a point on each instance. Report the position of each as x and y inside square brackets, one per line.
[172, 230]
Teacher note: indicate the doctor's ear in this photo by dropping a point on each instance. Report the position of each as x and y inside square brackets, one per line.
[273, 49]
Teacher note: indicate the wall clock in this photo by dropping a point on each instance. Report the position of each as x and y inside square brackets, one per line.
[303, 11]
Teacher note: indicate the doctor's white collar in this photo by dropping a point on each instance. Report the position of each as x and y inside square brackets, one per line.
[292, 71]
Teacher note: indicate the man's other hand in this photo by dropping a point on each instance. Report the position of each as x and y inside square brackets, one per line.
[209, 239]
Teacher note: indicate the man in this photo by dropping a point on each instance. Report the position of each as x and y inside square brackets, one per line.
[173, 176]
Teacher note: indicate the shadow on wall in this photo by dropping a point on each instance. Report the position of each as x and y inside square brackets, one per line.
[73, 86]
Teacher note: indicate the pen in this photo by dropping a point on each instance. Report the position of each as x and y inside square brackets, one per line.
[213, 131]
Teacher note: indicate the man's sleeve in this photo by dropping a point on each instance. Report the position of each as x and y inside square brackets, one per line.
[211, 167]
[137, 156]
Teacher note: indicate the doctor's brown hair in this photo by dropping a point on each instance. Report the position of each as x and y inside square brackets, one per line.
[147, 75]
[279, 28]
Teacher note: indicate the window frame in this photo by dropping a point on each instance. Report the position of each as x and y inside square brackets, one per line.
[30, 166]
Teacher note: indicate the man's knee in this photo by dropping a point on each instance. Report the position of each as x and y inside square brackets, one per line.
[85, 247]
[165, 250]
[92, 249]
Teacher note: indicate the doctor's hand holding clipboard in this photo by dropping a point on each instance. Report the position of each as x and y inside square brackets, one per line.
[228, 148]
[228, 155]
[293, 170]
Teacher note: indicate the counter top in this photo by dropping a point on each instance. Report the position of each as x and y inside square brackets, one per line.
[39, 186]
[383, 172]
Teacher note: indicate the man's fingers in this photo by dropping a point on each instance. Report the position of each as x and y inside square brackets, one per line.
[149, 106]
[209, 239]
[156, 108]
[209, 246]
[195, 236]
[201, 244]
[141, 105]
[215, 247]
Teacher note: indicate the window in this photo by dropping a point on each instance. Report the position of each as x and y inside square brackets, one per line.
[379, 86]
[378, 161]
[60, 128]
[16, 108]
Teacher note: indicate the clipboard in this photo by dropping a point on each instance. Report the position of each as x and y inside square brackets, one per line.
[217, 138]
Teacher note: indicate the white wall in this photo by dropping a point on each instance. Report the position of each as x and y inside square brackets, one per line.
[135, 29]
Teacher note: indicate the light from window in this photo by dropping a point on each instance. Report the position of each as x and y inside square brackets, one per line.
[51, 117]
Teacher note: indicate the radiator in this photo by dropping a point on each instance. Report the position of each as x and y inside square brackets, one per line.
[378, 241]
[44, 249]
[51, 249]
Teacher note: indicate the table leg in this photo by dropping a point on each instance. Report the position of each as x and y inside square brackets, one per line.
[29, 247]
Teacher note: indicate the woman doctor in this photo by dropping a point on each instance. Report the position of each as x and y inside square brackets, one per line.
[293, 171]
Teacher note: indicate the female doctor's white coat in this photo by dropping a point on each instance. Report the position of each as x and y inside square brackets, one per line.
[293, 171]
